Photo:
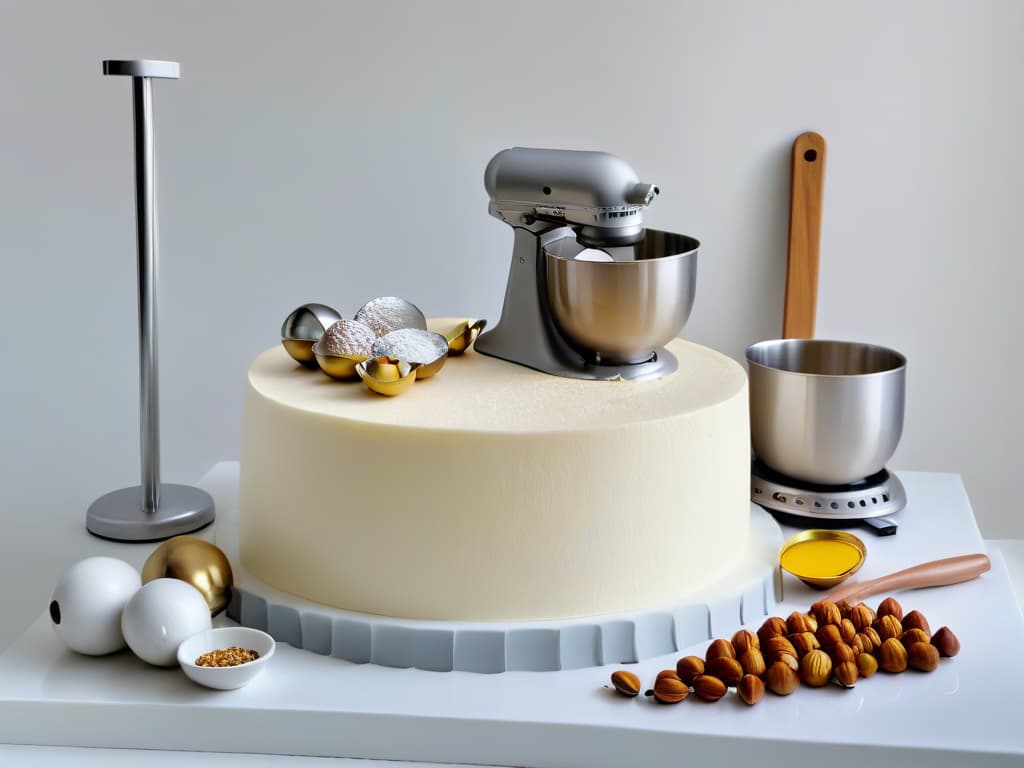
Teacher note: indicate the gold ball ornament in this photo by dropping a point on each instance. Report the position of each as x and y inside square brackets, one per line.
[197, 562]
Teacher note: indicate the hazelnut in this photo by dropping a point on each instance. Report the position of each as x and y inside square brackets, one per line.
[771, 627]
[892, 656]
[797, 622]
[815, 668]
[804, 642]
[890, 607]
[666, 673]
[873, 636]
[826, 612]
[719, 648]
[867, 664]
[914, 635]
[846, 630]
[669, 689]
[708, 687]
[946, 642]
[923, 656]
[812, 622]
[888, 626]
[789, 659]
[773, 646]
[861, 644]
[781, 679]
[729, 671]
[916, 620]
[753, 662]
[828, 635]
[847, 674]
[841, 652]
[861, 616]
[750, 689]
[689, 667]
[626, 683]
[744, 639]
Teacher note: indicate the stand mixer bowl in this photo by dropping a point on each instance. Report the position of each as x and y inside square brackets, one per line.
[827, 412]
[619, 311]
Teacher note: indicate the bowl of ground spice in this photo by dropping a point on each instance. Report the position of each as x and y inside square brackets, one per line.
[226, 657]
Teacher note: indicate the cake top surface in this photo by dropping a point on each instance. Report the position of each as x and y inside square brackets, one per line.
[477, 393]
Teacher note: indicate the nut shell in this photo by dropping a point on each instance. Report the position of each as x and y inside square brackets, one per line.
[828, 635]
[709, 687]
[847, 674]
[914, 635]
[804, 643]
[916, 620]
[744, 639]
[867, 664]
[750, 689]
[815, 668]
[888, 626]
[729, 671]
[773, 646]
[753, 662]
[669, 689]
[841, 652]
[771, 627]
[781, 679]
[689, 667]
[720, 647]
[626, 683]
[797, 622]
[861, 616]
[826, 612]
[923, 656]
[946, 642]
[890, 607]
[892, 656]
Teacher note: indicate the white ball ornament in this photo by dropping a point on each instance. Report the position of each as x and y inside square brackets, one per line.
[160, 616]
[85, 609]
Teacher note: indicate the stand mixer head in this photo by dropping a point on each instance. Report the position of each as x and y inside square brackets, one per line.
[571, 310]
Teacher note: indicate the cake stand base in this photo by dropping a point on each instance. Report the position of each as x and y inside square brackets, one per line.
[118, 515]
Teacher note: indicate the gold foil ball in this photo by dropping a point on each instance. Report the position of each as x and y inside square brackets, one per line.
[198, 562]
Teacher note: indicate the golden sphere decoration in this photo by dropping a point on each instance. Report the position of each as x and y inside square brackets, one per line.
[198, 562]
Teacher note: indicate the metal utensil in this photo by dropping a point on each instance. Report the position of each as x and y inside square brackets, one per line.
[827, 412]
[151, 510]
[617, 312]
[934, 573]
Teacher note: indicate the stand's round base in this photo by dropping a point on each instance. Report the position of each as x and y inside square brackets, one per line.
[118, 515]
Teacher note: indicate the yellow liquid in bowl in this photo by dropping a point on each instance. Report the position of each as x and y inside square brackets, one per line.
[820, 559]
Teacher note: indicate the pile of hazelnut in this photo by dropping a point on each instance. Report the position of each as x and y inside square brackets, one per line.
[834, 642]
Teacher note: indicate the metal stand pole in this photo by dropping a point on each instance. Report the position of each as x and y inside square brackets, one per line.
[151, 510]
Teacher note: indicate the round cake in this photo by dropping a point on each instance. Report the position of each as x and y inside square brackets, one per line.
[492, 492]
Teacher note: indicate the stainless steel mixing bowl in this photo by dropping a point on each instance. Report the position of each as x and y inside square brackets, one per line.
[616, 312]
[828, 412]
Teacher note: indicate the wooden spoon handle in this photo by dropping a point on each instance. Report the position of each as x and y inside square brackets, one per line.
[804, 236]
[936, 573]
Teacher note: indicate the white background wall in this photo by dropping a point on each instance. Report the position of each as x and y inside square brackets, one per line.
[334, 151]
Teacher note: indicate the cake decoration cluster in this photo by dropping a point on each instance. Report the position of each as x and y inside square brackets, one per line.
[386, 344]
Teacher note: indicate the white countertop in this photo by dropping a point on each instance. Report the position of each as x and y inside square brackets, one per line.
[933, 602]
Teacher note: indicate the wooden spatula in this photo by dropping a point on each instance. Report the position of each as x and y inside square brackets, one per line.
[804, 236]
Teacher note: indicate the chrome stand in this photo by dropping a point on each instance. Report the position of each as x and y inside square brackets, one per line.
[152, 510]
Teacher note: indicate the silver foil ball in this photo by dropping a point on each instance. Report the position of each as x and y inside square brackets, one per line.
[389, 313]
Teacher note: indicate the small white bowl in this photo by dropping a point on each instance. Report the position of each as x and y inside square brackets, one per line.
[225, 678]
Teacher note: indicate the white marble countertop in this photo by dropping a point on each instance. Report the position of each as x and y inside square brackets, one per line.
[1012, 556]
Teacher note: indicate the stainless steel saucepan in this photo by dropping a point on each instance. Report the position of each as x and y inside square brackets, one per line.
[827, 412]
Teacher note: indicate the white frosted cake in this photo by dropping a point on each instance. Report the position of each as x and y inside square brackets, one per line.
[492, 492]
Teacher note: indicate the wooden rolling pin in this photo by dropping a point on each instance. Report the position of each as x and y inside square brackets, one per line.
[805, 203]
[935, 573]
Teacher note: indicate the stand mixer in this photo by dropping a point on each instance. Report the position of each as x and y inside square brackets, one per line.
[591, 293]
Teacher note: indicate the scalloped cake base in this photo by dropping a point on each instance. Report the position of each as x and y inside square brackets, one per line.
[747, 594]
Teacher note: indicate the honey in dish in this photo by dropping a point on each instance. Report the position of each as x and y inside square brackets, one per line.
[819, 559]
